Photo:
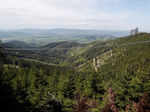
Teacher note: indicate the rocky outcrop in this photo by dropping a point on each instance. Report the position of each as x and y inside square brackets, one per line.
[100, 60]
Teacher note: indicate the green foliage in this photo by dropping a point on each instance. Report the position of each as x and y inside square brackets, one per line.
[42, 87]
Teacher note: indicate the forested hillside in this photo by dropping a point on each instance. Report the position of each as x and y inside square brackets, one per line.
[111, 76]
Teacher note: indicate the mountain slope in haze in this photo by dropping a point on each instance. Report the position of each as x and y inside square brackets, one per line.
[60, 32]
[55, 53]
[45, 36]
[18, 44]
[63, 44]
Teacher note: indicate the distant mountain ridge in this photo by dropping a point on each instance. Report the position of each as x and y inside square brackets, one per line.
[60, 31]
[45, 36]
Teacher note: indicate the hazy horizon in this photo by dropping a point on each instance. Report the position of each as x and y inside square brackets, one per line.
[63, 28]
[75, 14]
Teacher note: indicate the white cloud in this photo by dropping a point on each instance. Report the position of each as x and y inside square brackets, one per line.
[59, 13]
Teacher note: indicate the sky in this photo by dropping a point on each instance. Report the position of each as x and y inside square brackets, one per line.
[79, 14]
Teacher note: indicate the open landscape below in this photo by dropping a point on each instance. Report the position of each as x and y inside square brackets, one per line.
[102, 75]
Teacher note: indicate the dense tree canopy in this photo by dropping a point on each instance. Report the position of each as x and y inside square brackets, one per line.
[120, 84]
